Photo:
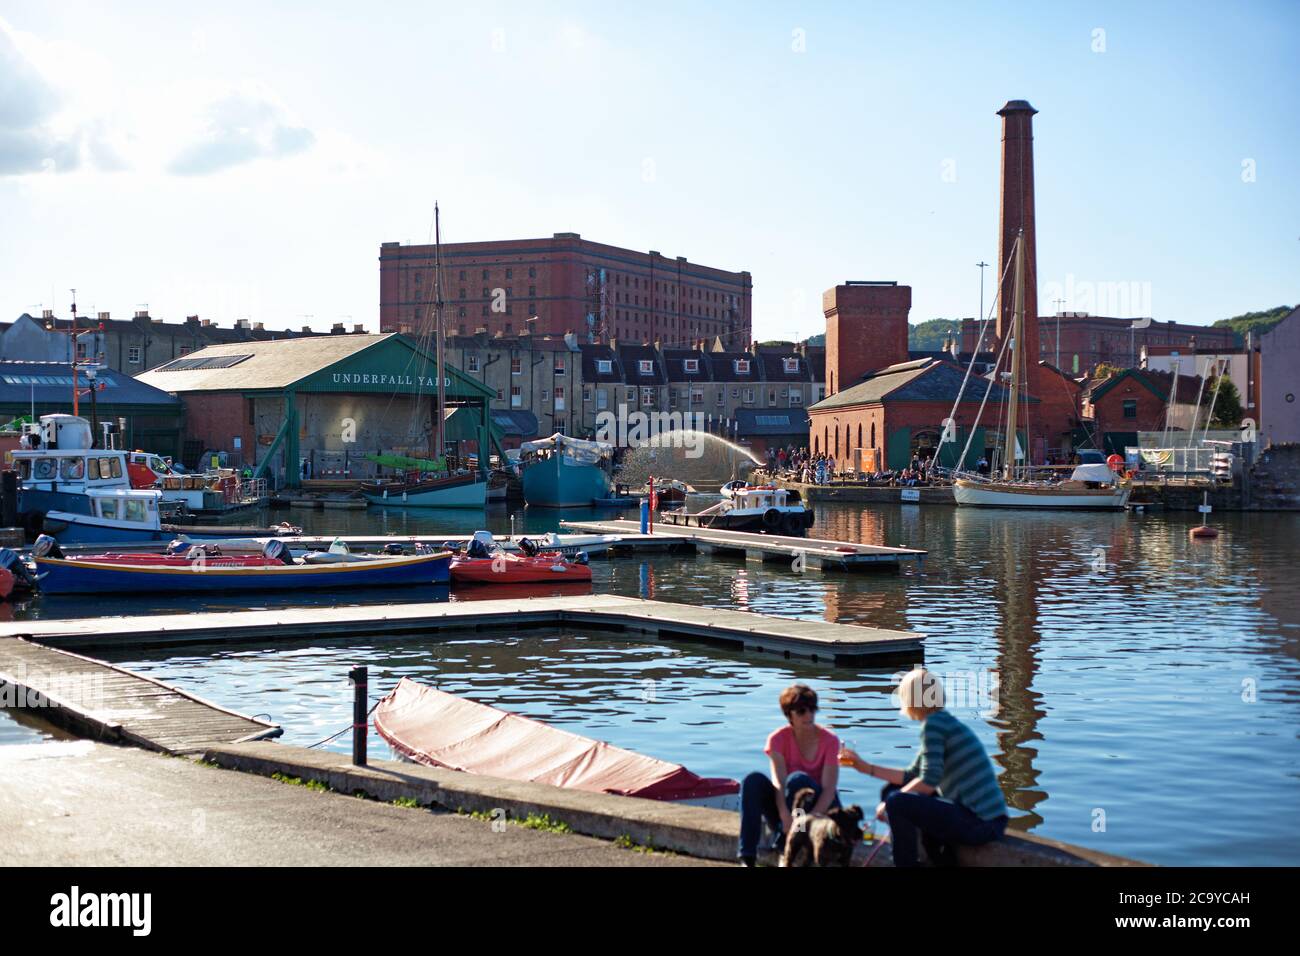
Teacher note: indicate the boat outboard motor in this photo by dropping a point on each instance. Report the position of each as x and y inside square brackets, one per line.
[480, 546]
[47, 547]
[179, 546]
[11, 562]
[394, 547]
[528, 547]
[277, 550]
[580, 558]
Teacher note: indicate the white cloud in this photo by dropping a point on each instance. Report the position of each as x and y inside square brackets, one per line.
[31, 140]
[243, 125]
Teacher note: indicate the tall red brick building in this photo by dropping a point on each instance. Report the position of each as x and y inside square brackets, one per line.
[569, 284]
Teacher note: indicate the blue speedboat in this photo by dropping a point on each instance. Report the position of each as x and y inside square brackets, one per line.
[564, 472]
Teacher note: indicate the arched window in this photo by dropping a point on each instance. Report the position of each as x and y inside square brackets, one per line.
[859, 434]
[816, 443]
[837, 443]
[873, 434]
[826, 438]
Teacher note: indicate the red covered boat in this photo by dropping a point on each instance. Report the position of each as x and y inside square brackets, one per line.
[438, 729]
[504, 568]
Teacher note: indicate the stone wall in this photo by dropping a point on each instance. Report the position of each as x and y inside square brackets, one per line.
[1274, 483]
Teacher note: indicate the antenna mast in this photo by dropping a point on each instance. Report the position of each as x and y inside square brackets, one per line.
[439, 418]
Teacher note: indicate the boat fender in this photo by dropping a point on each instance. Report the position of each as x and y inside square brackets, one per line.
[47, 547]
[772, 518]
[6, 584]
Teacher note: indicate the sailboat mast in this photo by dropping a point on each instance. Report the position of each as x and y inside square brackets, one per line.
[440, 412]
[1017, 335]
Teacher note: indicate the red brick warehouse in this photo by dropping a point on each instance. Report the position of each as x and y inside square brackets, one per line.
[571, 285]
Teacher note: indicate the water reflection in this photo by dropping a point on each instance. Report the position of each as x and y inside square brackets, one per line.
[1124, 651]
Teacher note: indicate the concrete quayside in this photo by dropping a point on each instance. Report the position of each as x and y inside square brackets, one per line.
[117, 706]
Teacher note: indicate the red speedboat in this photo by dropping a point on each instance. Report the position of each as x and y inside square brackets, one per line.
[505, 568]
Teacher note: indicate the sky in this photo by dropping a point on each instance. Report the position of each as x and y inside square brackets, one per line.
[246, 160]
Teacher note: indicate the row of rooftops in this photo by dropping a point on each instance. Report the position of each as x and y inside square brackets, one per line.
[655, 364]
[143, 322]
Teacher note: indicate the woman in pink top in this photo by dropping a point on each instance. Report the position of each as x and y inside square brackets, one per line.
[801, 755]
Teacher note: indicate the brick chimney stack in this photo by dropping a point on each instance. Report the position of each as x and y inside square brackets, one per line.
[866, 330]
[1018, 214]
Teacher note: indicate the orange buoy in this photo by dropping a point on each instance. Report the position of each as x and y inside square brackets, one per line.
[1203, 531]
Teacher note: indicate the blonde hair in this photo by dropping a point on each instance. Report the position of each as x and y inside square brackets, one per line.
[920, 694]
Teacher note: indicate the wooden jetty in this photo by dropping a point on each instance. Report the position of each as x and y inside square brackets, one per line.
[799, 553]
[104, 702]
[819, 641]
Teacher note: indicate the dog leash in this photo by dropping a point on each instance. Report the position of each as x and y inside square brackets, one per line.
[876, 849]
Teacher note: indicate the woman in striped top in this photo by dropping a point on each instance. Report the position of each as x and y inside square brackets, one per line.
[949, 795]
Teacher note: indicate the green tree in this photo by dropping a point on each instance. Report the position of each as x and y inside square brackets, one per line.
[1257, 322]
[1227, 403]
[928, 336]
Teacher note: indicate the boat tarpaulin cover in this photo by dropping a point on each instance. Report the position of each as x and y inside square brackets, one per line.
[439, 729]
[575, 447]
[1095, 472]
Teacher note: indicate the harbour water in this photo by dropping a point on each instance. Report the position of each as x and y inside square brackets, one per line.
[1139, 692]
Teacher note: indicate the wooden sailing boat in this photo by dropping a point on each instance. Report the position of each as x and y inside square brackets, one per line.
[1088, 487]
[427, 485]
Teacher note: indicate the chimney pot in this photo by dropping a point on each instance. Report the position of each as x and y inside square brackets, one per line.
[358, 329]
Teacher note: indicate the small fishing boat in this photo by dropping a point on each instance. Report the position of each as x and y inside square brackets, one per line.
[101, 574]
[452, 491]
[564, 472]
[437, 729]
[756, 508]
[670, 491]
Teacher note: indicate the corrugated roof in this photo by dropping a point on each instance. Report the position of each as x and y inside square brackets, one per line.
[271, 365]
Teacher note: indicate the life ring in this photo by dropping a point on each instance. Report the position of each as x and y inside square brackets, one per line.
[1115, 462]
[771, 519]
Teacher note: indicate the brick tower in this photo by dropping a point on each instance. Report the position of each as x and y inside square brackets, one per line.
[1018, 214]
[866, 330]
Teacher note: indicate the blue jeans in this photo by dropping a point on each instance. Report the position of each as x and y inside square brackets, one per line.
[758, 803]
[940, 825]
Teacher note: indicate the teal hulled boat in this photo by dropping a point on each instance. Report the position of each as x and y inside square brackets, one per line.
[563, 472]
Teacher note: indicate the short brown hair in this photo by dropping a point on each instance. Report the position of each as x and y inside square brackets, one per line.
[798, 695]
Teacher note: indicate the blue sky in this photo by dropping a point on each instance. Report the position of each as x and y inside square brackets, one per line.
[246, 160]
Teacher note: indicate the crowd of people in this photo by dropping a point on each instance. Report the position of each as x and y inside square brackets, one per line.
[819, 469]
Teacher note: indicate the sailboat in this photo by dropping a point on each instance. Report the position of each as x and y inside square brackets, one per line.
[428, 482]
[1092, 486]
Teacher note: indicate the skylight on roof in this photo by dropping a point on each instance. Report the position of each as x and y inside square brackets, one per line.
[194, 364]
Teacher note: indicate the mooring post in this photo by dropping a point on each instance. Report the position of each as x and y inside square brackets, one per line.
[360, 722]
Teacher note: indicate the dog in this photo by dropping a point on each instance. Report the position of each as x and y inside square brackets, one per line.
[822, 841]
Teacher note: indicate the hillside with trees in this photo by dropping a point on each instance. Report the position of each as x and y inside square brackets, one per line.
[928, 336]
[1257, 322]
